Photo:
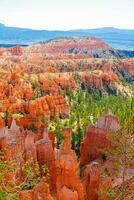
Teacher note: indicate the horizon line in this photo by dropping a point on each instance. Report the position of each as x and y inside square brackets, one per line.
[76, 29]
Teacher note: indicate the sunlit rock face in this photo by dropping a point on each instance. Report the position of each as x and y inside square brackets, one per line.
[42, 192]
[68, 180]
[128, 65]
[12, 145]
[1, 51]
[16, 51]
[67, 193]
[46, 156]
[101, 82]
[26, 195]
[58, 106]
[15, 142]
[108, 122]
[50, 105]
[39, 192]
[30, 148]
[12, 140]
[96, 138]
[74, 47]
[91, 180]
[57, 83]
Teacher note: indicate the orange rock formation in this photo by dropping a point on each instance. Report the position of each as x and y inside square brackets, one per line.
[68, 181]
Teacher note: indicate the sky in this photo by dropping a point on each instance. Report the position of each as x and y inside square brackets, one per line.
[67, 14]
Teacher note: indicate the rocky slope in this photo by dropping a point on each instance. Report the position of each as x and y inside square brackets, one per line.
[34, 85]
[86, 46]
[65, 181]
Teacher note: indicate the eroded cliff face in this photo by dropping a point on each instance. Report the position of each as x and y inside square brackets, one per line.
[63, 165]
[96, 138]
[35, 79]
[15, 141]
[34, 82]
[81, 46]
[16, 51]
[69, 178]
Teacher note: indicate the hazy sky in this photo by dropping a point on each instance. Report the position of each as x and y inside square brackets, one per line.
[67, 14]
